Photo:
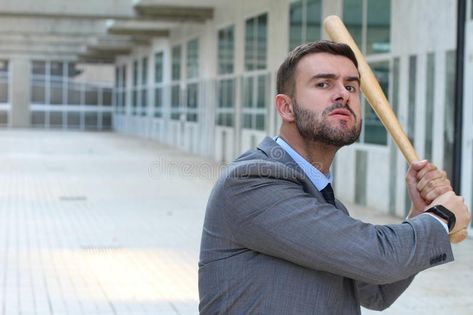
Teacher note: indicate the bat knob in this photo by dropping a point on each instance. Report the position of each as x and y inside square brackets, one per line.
[458, 236]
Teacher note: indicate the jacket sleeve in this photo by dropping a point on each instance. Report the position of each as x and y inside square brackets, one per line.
[268, 211]
[379, 297]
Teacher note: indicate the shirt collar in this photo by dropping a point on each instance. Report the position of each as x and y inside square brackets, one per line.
[316, 177]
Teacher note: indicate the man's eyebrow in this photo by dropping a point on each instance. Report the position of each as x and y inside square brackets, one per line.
[350, 79]
[323, 76]
[334, 76]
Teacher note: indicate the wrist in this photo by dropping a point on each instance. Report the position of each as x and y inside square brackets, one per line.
[444, 215]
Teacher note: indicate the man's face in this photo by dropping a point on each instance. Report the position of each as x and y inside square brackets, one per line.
[326, 99]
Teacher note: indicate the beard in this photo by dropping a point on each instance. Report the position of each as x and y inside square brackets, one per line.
[316, 127]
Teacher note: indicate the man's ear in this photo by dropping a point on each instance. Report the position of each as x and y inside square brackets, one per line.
[284, 107]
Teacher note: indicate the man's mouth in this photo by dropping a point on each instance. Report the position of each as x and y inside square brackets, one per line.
[341, 112]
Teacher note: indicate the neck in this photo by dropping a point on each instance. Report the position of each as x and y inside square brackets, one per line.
[320, 155]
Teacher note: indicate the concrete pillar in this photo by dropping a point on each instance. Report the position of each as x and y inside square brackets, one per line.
[20, 81]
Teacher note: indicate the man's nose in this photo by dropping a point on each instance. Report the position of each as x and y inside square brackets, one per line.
[341, 94]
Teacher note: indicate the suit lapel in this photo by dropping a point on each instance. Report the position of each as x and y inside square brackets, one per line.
[275, 152]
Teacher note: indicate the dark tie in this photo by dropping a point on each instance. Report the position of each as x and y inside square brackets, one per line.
[327, 192]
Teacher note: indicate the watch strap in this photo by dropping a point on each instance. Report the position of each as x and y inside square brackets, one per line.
[445, 214]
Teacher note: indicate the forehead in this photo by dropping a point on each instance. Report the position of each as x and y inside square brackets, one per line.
[313, 64]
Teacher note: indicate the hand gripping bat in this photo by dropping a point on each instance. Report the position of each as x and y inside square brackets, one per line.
[378, 101]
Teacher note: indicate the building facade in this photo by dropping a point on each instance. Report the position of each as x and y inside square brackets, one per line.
[209, 88]
[200, 76]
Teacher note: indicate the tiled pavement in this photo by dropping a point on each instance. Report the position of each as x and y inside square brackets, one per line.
[99, 223]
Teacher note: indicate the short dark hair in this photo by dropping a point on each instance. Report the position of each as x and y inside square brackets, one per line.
[285, 78]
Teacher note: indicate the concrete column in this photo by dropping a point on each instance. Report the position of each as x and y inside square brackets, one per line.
[20, 81]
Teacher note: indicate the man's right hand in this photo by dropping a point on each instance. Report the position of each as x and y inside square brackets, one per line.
[455, 204]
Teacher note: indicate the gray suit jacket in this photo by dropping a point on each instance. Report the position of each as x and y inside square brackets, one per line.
[272, 245]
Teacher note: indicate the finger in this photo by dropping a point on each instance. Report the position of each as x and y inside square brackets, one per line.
[414, 169]
[427, 168]
[430, 178]
[432, 194]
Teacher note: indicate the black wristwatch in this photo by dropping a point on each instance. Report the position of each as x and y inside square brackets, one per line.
[444, 213]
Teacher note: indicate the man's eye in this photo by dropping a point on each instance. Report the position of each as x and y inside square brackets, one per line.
[322, 84]
[350, 88]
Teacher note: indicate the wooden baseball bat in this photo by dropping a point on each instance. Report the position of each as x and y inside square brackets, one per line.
[374, 94]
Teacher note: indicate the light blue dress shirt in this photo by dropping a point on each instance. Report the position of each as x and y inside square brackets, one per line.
[316, 177]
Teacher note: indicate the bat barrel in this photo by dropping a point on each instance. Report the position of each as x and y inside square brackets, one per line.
[375, 96]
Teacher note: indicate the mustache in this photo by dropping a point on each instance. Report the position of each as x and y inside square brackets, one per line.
[338, 105]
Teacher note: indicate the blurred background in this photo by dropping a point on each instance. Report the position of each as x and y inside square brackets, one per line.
[116, 117]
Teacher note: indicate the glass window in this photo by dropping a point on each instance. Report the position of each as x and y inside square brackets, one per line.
[3, 92]
[55, 119]
[226, 102]
[91, 95]
[261, 99]
[192, 101]
[305, 19]
[249, 44]
[314, 20]
[255, 93]
[369, 22]
[3, 65]
[429, 106]
[158, 67]
[38, 118]
[117, 76]
[71, 70]
[73, 93]
[395, 90]
[225, 50]
[144, 101]
[57, 69]
[295, 24]
[411, 108]
[107, 97]
[175, 102]
[38, 87]
[56, 92]
[374, 131]
[449, 116]
[261, 42]
[39, 68]
[135, 73]
[144, 71]
[353, 19]
[176, 63]
[134, 101]
[91, 120]
[158, 102]
[123, 81]
[106, 121]
[4, 81]
[73, 119]
[193, 59]
[379, 27]
[256, 42]
[248, 92]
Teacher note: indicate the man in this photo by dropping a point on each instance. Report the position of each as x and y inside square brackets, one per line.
[275, 241]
